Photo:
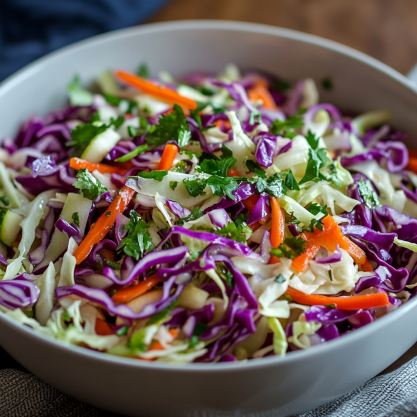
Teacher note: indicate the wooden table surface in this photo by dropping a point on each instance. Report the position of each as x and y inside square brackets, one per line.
[384, 29]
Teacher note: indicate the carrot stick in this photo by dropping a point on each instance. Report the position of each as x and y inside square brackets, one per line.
[255, 226]
[233, 173]
[277, 228]
[356, 302]
[158, 346]
[168, 156]
[300, 262]
[260, 92]
[412, 153]
[358, 255]
[103, 224]
[160, 92]
[106, 254]
[78, 163]
[250, 202]
[102, 328]
[329, 236]
[367, 267]
[126, 294]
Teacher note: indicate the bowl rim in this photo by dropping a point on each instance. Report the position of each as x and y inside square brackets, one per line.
[225, 25]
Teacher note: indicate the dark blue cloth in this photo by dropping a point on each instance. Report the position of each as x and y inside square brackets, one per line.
[32, 28]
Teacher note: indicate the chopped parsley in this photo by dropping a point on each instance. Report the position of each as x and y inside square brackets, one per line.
[330, 272]
[195, 185]
[330, 305]
[90, 186]
[76, 218]
[161, 315]
[139, 150]
[234, 232]
[273, 185]
[281, 127]
[83, 134]
[155, 175]
[312, 140]
[315, 162]
[137, 131]
[290, 182]
[369, 196]
[138, 240]
[173, 185]
[143, 70]
[291, 248]
[77, 95]
[131, 105]
[108, 213]
[194, 215]
[122, 331]
[253, 166]
[5, 200]
[172, 126]
[222, 186]
[280, 279]
[180, 167]
[226, 275]
[315, 209]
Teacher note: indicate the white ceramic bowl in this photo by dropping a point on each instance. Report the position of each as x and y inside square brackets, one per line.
[303, 379]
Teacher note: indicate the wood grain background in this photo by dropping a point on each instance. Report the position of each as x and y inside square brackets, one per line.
[384, 29]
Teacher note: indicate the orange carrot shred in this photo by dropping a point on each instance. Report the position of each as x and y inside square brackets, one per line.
[367, 267]
[260, 92]
[77, 163]
[129, 293]
[155, 90]
[103, 224]
[158, 346]
[233, 173]
[300, 262]
[102, 328]
[277, 228]
[356, 302]
[358, 255]
[168, 156]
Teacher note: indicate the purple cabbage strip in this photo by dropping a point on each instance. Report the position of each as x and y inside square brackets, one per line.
[219, 217]
[362, 318]
[18, 293]
[383, 240]
[38, 254]
[260, 210]
[168, 256]
[70, 230]
[242, 193]
[209, 237]
[176, 209]
[94, 255]
[265, 148]
[120, 230]
[328, 315]
[334, 257]
[293, 229]
[266, 246]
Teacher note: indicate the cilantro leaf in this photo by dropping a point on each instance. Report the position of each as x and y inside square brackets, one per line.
[139, 150]
[173, 185]
[290, 182]
[83, 134]
[253, 166]
[369, 196]
[122, 331]
[5, 200]
[90, 186]
[291, 248]
[234, 232]
[312, 140]
[77, 95]
[130, 105]
[195, 185]
[76, 218]
[156, 175]
[213, 167]
[313, 167]
[222, 185]
[194, 215]
[137, 131]
[143, 70]
[138, 240]
[315, 209]
[241, 219]
[172, 126]
[278, 127]
[226, 275]
[274, 185]
[180, 167]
